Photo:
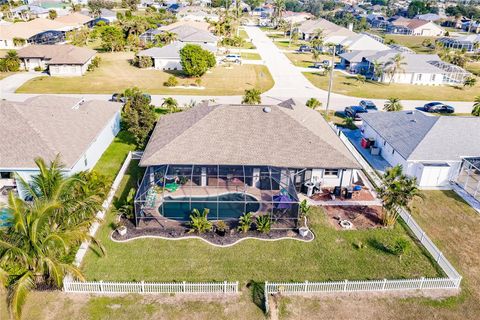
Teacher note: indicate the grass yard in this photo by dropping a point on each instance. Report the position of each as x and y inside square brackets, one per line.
[305, 60]
[454, 227]
[473, 67]
[251, 56]
[412, 42]
[284, 44]
[112, 159]
[332, 256]
[115, 74]
[3, 75]
[348, 85]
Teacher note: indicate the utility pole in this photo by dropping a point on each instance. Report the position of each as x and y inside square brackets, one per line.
[330, 83]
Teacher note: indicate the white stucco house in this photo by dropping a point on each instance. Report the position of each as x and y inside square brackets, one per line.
[59, 60]
[168, 57]
[46, 126]
[430, 148]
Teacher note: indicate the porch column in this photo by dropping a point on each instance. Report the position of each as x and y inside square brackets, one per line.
[203, 181]
[256, 176]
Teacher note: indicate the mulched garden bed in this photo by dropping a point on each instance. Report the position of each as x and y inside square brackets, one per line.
[231, 236]
[362, 217]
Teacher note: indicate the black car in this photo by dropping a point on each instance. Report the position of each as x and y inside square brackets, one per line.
[367, 104]
[118, 97]
[304, 48]
[354, 112]
[438, 107]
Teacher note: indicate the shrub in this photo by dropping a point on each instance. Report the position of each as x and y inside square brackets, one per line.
[199, 222]
[263, 223]
[38, 68]
[400, 247]
[196, 61]
[171, 82]
[235, 41]
[244, 222]
[221, 226]
[313, 103]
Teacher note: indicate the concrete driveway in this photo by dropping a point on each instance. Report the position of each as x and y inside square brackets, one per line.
[12, 83]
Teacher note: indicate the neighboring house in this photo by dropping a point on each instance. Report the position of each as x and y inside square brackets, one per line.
[205, 26]
[469, 43]
[418, 69]
[429, 148]
[296, 17]
[259, 157]
[361, 42]
[184, 33]
[332, 33]
[149, 35]
[168, 57]
[428, 17]
[37, 31]
[415, 27]
[471, 26]
[107, 14]
[45, 126]
[75, 20]
[60, 60]
[196, 14]
[28, 12]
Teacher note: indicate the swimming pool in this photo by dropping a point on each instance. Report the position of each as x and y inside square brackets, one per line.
[229, 206]
[4, 216]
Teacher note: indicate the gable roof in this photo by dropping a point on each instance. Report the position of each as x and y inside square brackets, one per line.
[25, 30]
[196, 24]
[58, 54]
[44, 126]
[328, 28]
[171, 50]
[188, 33]
[417, 136]
[363, 42]
[74, 19]
[291, 136]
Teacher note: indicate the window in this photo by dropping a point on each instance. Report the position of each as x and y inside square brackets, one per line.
[432, 77]
[419, 77]
[331, 172]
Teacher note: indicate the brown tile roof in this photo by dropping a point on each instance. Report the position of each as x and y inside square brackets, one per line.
[416, 23]
[74, 19]
[58, 53]
[290, 135]
[44, 126]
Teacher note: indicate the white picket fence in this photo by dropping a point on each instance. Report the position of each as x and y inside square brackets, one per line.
[101, 287]
[452, 281]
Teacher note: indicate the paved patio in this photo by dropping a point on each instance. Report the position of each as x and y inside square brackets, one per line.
[377, 162]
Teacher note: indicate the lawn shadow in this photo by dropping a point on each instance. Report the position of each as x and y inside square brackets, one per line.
[258, 294]
[374, 243]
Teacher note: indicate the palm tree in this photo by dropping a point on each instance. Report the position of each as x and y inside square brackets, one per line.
[316, 55]
[393, 104]
[34, 248]
[278, 8]
[377, 69]
[317, 39]
[170, 104]
[252, 96]
[469, 82]
[397, 190]
[394, 65]
[313, 103]
[476, 107]
[11, 61]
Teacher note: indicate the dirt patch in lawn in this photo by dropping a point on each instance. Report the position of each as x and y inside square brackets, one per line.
[362, 217]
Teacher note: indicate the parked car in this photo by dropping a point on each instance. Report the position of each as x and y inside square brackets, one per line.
[323, 65]
[117, 97]
[304, 48]
[354, 112]
[233, 58]
[438, 107]
[367, 104]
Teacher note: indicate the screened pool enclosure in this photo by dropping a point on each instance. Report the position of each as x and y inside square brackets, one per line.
[469, 177]
[169, 193]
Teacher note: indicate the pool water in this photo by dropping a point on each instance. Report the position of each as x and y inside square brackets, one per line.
[4, 217]
[228, 208]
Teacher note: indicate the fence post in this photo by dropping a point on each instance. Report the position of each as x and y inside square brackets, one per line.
[101, 285]
[143, 286]
[184, 286]
[422, 279]
[345, 285]
[438, 256]
[423, 236]
[305, 287]
[265, 293]
[236, 287]
[384, 284]
[224, 287]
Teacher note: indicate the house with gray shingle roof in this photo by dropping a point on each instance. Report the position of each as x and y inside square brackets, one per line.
[46, 126]
[430, 148]
[240, 158]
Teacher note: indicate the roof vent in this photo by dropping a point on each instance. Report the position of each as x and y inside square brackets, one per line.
[267, 109]
[78, 104]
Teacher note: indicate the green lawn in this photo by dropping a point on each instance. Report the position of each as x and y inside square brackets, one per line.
[112, 159]
[286, 45]
[473, 67]
[412, 42]
[115, 74]
[251, 56]
[348, 85]
[454, 227]
[331, 256]
[306, 60]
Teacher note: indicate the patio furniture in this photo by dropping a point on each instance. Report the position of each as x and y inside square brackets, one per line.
[172, 187]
